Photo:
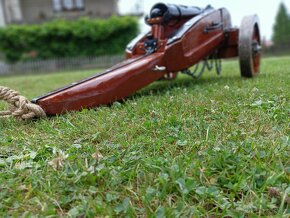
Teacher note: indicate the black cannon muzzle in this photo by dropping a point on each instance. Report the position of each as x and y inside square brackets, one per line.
[171, 12]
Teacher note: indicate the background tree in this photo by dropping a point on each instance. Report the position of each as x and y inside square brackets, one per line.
[282, 27]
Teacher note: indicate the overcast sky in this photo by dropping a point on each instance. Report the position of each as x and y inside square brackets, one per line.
[266, 9]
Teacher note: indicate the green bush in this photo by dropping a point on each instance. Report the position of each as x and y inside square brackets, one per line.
[62, 38]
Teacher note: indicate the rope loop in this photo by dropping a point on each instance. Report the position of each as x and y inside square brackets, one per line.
[19, 106]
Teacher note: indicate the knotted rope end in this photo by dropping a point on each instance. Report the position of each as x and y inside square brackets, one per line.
[19, 106]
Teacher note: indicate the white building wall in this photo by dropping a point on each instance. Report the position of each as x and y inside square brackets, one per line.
[34, 11]
[13, 11]
[2, 15]
[41, 10]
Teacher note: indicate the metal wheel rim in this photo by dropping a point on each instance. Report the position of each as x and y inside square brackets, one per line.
[250, 46]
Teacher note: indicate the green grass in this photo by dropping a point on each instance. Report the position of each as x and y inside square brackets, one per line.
[213, 147]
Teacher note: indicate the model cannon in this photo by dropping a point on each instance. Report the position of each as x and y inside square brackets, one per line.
[180, 37]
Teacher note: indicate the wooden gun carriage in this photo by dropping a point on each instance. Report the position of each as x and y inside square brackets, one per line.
[180, 37]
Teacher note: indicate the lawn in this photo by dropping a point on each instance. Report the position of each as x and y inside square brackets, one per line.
[214, 147]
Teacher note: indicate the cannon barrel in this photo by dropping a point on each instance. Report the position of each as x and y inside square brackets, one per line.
[172, 12]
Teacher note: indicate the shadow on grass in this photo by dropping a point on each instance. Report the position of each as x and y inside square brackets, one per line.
[161, 87]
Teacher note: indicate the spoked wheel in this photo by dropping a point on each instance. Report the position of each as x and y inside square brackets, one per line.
[250, 46]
